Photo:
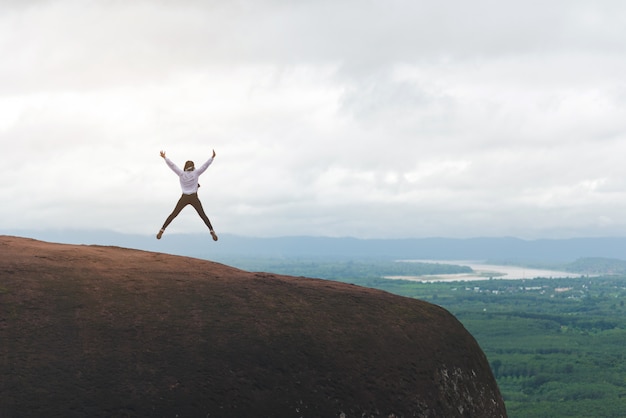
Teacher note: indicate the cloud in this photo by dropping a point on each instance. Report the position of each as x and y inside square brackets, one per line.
[353, 118]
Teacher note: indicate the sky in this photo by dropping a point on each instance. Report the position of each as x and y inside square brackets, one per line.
[361, 118]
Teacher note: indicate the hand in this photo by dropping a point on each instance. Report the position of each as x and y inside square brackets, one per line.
[213, 154]
[162, 154]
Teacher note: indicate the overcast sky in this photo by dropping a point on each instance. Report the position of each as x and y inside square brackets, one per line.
[371, 119]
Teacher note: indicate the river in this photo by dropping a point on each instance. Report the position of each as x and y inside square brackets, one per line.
[482, 271]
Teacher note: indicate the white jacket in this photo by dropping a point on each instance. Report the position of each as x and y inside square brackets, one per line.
[189, 179]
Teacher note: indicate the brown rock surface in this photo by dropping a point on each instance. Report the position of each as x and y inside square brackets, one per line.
[107, 331]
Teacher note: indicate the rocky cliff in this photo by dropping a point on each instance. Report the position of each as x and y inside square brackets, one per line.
[107, 331]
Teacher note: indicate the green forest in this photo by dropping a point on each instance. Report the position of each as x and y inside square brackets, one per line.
[556, 346]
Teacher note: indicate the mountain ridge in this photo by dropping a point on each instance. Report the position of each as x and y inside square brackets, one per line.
[437, 248]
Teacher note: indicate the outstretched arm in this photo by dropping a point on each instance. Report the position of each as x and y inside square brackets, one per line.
[206, 165]
[171, 165]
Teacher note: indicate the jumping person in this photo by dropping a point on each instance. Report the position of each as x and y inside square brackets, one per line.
[189, 184]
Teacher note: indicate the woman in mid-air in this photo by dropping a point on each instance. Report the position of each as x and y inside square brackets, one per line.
[189, 183]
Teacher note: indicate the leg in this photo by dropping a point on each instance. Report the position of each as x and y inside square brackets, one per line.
[197, 205]
[182, 202]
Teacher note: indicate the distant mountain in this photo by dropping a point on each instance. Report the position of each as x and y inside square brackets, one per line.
[229, 246]
[597, 265]
[95, 331]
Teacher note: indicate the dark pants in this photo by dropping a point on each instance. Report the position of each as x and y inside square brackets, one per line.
[188, 199]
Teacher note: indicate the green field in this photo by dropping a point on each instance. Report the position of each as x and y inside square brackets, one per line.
[556, 346]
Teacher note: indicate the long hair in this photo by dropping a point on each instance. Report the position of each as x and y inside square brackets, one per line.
[189, 166]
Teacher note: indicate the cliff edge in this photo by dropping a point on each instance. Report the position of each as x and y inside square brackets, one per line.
[107, 331]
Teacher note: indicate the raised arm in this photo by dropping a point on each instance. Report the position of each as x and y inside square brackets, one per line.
[171, 165]
[206, 165]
